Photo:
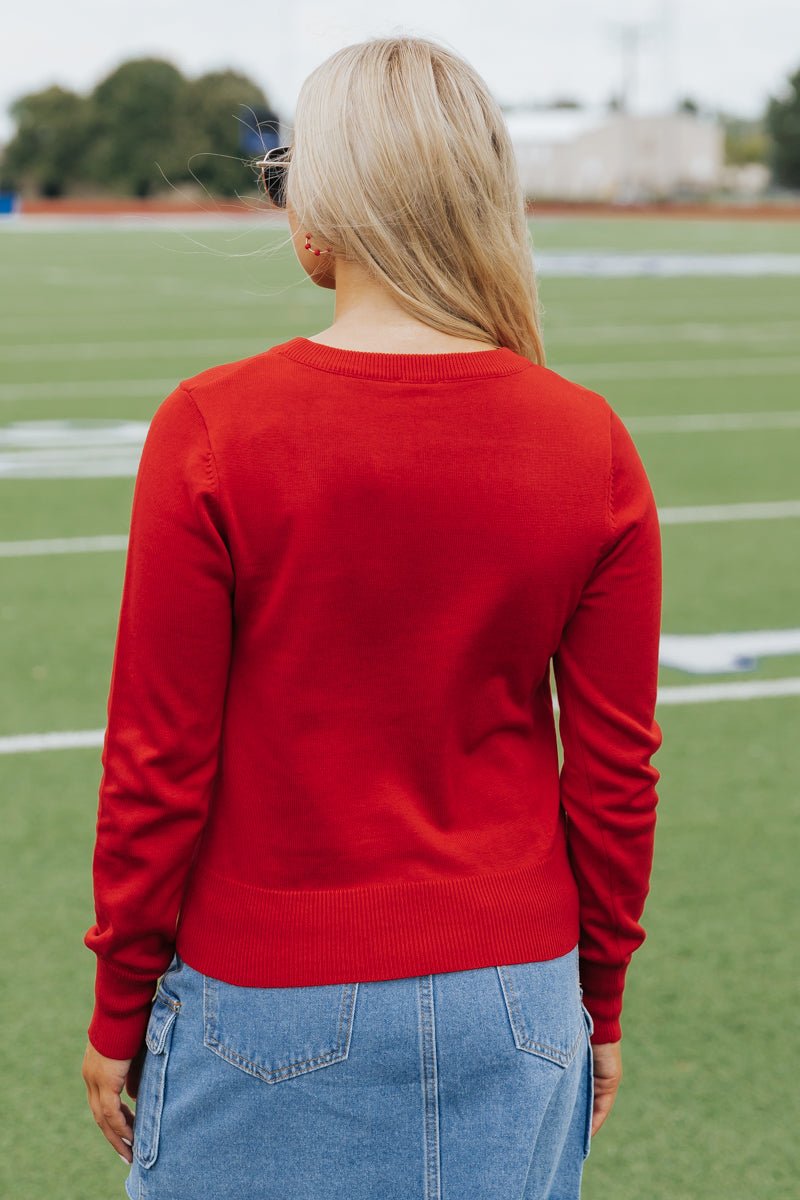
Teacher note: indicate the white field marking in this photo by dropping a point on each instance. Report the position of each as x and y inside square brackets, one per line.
[260, 218]
[737, 332]
[53, 277]
[591, 371]
[77, 351]
[24, 743]
[715, 422]
[67, 277]
[699, 514]
[84, 448]
[95, 463]
[79, 323]
[682, 368]
[68, 448]
[161, 348]
[65, 545]
[166, 285]
[628, 264]
[118, 456]
[302, 294]
[623, 263]
[72, 431]
[89, 389]
[714, 653]
[615, 263]
[80, 448]
[705, 693]
[690, 515]
[755, 689]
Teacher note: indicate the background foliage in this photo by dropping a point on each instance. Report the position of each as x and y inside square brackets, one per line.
[783, 125]
[144, 127]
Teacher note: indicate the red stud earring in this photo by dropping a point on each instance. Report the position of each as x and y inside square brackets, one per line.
[308, 246]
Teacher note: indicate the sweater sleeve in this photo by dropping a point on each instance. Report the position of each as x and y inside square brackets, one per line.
[165, 705]
[606, 672]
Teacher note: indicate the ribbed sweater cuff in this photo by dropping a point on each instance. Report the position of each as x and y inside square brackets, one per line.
[121, 1012]
[602, 994]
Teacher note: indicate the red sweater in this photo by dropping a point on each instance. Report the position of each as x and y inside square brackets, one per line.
[331, 752]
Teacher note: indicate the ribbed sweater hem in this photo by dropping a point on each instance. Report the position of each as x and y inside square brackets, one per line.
[266, 937]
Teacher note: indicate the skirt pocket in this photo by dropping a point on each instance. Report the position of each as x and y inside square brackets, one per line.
[278, 1033]
[587, 1142]
[544, 1006]
[152, 1083]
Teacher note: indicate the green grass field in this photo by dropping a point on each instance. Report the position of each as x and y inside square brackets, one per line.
[103, 323]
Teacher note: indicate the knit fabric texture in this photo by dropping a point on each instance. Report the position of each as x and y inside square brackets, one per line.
[331, 750]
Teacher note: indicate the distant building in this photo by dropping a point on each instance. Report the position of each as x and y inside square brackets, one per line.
[590, 154]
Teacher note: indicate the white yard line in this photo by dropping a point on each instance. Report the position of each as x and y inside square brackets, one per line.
[715, 422]
[705, 332]
[680, 368]
[762, 333]
[687, 515]
[60, 448]
[24, 743]
[65, 545]
[699, 514]
[574, 263]
[153, 348]
[706, 693]
[88, 389]
[626, 264]
[587, 373]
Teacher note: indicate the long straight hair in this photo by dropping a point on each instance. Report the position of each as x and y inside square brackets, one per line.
[401, 160]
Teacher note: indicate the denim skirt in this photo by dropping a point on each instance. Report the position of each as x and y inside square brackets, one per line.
[464, 1085]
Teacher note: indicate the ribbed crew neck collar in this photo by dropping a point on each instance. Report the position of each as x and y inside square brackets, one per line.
[409, 368]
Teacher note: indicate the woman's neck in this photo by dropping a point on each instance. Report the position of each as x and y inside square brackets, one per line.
[367, 317]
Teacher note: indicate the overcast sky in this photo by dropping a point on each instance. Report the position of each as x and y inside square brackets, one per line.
[732, 55]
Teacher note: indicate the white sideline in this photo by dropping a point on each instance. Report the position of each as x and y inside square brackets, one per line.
[587, 373]
[61, 448]
[66, 545]
[25, 743]
[690, 514]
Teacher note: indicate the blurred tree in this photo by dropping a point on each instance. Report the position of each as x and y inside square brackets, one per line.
[782, 120]
[216, 110]
[136, 129]
[46, 152]
[143, 129]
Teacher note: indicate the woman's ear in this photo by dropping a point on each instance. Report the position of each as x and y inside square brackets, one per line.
[321, 268]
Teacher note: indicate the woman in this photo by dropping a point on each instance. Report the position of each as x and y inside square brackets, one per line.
[387, 938]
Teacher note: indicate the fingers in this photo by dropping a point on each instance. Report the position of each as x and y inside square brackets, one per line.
[113, 1118]
[607, 1071]
[603, 1104]
[605, 1093]
[105, 1079]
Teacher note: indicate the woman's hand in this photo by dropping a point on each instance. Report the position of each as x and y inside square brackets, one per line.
[607, 1078]
[105, 1079]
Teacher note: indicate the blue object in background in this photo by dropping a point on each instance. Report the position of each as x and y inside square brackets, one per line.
[260, 132]
[9, 203]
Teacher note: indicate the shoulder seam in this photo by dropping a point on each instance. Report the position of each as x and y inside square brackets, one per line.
[212, 461]
[611, 518]
[611, 512]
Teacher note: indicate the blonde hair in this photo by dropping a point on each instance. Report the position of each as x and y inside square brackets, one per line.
[401, 160]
